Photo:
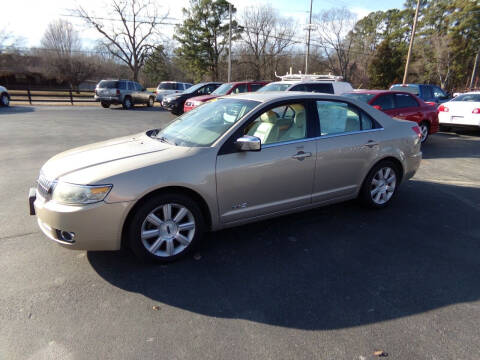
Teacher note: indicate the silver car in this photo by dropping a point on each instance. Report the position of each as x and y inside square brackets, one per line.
[239, 159]
[170, 87]
[122, 92]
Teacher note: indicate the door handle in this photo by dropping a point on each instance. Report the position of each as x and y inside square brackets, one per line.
[301, 155]
[371, 144]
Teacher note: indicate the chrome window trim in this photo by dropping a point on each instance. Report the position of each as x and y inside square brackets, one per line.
[321, 137]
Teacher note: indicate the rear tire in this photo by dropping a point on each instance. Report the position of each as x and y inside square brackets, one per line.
[424, 129]
[380, 186]
[165, 228]
[4, 100]
[150, 102]
[127, 103]
[105, 105]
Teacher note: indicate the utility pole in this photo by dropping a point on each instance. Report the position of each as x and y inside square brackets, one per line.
[411, 43]
[230, 44]
[309, 28]
[474, 70]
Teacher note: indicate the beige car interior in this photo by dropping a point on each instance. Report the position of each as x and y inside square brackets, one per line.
[270, 127]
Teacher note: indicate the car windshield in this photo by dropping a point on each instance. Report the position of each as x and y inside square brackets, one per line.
[363, 97]
[223, 89]
[468, 98]
[274, 87]
[205, 124]
[412, 89]
[107, 84]
[167, 86]
[194, 88]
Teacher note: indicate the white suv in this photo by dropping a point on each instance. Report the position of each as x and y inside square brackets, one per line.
[326, 84]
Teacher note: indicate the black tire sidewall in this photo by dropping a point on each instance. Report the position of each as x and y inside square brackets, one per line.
[135, 224]
[428, 127]
[2, 103]
[150, 102]
[365, 195]
[124, 103]
[105, 105]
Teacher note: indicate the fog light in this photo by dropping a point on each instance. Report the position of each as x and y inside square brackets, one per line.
[66, 236]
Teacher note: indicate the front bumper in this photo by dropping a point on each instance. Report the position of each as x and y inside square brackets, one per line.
[171, 105]
[95, 226]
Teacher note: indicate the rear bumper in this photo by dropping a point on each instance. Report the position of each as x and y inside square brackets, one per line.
[452, 120]
[108, 99]
[95, 227]
[412, 163]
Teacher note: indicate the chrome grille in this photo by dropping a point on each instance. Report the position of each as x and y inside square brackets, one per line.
[44, 186]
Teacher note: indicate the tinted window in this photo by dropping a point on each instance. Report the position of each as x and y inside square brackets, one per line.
[107, 84]
[321, 88]
[300, 87]
[386, 102]
[167, 86]
[255, 87]
[404, 101]
[360, 96]
[122, 85]
[138, 87]
[240, 89]
[337, 117]
[367, 122]
[131, 86]
[438, 93]
[427, 93]
[280, 124]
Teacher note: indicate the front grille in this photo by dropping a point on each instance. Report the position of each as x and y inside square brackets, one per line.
[44, 186]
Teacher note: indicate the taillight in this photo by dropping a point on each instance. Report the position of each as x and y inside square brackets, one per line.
[118, 92]
[417, 131]
[431, 103]
[443, 108]
[476, 111]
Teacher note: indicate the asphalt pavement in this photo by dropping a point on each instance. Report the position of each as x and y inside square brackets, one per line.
[339, 282]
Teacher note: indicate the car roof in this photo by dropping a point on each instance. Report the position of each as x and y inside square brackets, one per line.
[377, 92]
[282, 95]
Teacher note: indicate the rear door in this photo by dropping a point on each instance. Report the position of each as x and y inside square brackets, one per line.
[348, 145]
[408, 108]
[277, 178]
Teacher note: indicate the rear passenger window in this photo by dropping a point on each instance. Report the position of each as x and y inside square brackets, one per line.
[122, 85]
[405, 100]
[255, 87]
[337, 117]
[386, 102]
[301, 87]
[322, 88]
[131, 86]
[240, 89]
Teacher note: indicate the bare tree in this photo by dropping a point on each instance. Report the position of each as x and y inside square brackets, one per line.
[266, 37]
[131, 31]
[61, 51]
[333, 27]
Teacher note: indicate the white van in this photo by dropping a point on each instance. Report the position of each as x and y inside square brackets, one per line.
[327, 84]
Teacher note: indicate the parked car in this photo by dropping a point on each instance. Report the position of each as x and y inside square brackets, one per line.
[233, 161]
[401, 105]
[176, 102]
[224, 89]
[170, 87]
[461, 111]
[122, 92]
[4, 96]
[426, 92]
[326, 84]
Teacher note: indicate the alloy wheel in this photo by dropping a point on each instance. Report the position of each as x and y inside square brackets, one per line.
[168, 230]
[383, 185]
[424, 131]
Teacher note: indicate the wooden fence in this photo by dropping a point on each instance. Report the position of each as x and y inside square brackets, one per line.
[51, 96]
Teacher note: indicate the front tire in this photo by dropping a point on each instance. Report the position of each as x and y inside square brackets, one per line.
[380, 185]
[127, 103]
[165, 228]
[105, 105]
[4, 100]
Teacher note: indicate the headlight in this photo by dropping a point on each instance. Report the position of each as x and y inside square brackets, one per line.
[197, 103]
[79, 194]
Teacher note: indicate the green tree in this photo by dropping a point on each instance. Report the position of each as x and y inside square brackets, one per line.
[203, 36]
[386, 66]
[157, 67]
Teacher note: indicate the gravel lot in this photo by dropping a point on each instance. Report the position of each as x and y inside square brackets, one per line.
[339, 282]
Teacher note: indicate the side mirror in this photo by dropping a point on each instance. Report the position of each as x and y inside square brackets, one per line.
[248, 143]
[378, 107]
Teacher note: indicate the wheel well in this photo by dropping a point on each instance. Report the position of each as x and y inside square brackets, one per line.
[170, 189]
[396, 162]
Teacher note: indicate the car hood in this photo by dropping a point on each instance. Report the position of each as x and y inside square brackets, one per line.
[106, 152]
[203, 98]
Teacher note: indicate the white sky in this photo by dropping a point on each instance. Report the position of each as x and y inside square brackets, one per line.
[29, 18]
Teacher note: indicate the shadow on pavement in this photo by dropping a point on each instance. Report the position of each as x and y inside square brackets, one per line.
[139, 108]
[330, 268]
[16, 109]
[462, 144]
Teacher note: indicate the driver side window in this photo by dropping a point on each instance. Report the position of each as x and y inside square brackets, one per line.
[280, 124]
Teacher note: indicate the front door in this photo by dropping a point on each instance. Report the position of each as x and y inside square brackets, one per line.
[277, 178]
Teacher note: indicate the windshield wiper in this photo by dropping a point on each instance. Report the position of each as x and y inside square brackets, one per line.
[165, 140]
